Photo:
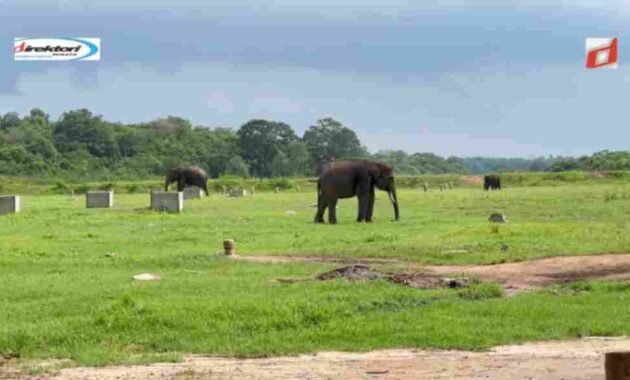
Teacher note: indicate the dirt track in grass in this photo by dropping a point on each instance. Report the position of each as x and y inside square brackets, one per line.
[580, 359]
[514, 277]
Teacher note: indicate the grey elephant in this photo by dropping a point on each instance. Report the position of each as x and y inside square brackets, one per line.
[349, 178]
[187, 176]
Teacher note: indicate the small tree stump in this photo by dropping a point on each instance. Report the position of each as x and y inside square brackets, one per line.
[229, 247]
[617, 365]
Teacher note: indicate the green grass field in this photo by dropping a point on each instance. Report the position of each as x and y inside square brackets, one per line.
[62, 297]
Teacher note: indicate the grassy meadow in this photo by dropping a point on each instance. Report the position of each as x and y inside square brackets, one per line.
[61, 296]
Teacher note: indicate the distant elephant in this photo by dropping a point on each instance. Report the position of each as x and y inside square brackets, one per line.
[491, 182]
[349, 178]
[187, 176]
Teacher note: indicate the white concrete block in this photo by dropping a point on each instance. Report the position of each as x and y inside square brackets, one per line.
[9, 204]
[167, 201]
[193, 193]
[99, 199]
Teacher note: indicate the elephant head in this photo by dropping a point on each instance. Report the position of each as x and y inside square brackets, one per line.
[383, 177]
[172, 176]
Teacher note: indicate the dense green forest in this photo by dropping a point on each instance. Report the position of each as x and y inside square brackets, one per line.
[83, 146]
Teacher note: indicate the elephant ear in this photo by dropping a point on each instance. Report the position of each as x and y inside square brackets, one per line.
[374, 172]
[379, 170]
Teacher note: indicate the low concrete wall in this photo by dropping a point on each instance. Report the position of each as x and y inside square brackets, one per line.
[9, 204]
[99, 199]
[165, 201]
[193, 193]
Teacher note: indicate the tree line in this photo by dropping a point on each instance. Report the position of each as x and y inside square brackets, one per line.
[82, 145]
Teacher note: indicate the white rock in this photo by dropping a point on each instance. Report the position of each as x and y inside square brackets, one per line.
[146, 277]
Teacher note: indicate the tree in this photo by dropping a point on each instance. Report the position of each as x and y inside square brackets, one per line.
[330, 140]
[236, 166]
[261, 141]
[76, 129]
[299, 157]
[9, 120]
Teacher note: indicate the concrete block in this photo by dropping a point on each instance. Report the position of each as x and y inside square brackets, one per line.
[193, 193]
[9, 204]
[237, 193]
[99, 199]
[165, 201]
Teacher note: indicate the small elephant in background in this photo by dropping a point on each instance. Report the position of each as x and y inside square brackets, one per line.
[349, 178]
[187, 176]
[491, 182]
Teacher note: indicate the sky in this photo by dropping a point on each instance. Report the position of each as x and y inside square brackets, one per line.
[500, 78]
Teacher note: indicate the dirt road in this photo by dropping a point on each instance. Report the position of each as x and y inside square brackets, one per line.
[571, 360]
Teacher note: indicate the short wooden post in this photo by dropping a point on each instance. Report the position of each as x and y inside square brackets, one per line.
[229, 247]
[617, 365]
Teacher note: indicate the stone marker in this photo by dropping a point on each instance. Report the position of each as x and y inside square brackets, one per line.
[193, 193]
[165, 201]
[229, 247]
[99, 199]
[9, 204]
[277, 189]
[497, 218]
[617, 365]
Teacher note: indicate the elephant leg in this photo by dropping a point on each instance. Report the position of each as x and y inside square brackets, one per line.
[180, 185]
[363, 193]
[363, 205]
[321, 208]
[205, 188]
[332, 211]
[370, 206]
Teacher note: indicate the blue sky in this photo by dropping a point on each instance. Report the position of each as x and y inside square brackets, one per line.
[497, 78]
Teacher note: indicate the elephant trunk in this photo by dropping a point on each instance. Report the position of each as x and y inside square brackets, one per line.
[394, 200]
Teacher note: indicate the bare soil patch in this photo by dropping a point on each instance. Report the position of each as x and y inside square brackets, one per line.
[514, 277]
[534, 274]
[580, 359]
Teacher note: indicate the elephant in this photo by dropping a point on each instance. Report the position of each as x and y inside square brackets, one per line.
[349, 178]
[187, 176]
[491, 182]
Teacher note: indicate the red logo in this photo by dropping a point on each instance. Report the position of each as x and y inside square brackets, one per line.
[601, 52]
[19, 48]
